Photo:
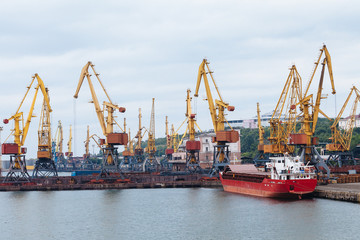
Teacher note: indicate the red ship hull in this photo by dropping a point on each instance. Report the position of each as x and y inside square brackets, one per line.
[270, 187]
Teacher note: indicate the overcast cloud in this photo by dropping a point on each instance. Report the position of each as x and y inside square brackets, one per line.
[145, 49]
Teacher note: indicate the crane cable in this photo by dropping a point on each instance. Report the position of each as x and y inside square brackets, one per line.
[74, 109]
[335, 107]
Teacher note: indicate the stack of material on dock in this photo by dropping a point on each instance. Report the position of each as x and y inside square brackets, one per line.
[349, 192]
[348, 178]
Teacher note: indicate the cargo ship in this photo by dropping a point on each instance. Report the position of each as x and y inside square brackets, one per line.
[286, 177]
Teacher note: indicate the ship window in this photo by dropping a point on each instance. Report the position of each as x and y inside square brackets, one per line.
[207, 149]
[283, 161]
[279, 161]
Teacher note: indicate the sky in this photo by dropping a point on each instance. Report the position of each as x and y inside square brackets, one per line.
[153, 49]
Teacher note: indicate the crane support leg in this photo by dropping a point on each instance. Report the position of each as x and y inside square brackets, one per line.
[192, 162]
[17, 174]
[138, 164]
[61, 163]
[87, 164]
[151, 165]
[165, 164]
[128, 164]
[110, 168]
[45, 168]
[221, 159]
[339, 159]
[315, 159]
[261, 159]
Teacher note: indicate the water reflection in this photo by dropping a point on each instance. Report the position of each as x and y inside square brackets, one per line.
[199, 213]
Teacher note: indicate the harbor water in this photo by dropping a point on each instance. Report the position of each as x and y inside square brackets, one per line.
[182, 213]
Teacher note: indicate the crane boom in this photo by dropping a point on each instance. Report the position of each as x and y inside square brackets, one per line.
[110, 156]
[98, 110]
[20, 132]
[217, 113]
[327, 60]
[217, 108]
[202, 74]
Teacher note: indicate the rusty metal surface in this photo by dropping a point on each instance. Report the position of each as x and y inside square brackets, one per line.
[139, 180]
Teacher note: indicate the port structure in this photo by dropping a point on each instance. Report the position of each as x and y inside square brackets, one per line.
[284, 119]
[261, 157]
[310, 110]
[151, 164]
[17, 170]
[192, 146]
[165, 163]
[139, 155]
[58, 155]
[70, 164]
[339, 148]
[217, 112]
[45, 164]
[129, 162]
[110, 162]
[86, 163]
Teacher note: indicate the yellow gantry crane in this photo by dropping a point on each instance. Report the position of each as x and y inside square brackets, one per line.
[169, 148]
[310, 113]
[217, 112]
[261, 130]
[339, 147]
[86, 163]
[70, 163]
[44, 165]
[151, 163]
[110, 160]
[87, 143]
[284, 118]
[174, 138]
[69, 153]
[59, 154]
[139, 151]
[128, 153]
[261, 158]
[192, 146]
[17, 170]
